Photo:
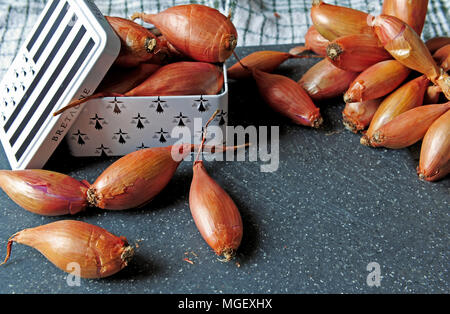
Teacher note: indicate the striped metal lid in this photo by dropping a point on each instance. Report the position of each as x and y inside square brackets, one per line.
[65, 57]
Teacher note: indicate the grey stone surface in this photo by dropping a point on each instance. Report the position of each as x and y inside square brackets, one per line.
[313, 226]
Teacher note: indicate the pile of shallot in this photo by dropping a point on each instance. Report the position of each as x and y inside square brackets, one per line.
[182, 55]
[395, 86]
[392, 83]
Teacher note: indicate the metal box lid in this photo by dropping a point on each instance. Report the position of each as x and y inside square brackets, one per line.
[65, 57]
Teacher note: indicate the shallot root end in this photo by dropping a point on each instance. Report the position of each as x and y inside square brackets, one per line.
[228, 255]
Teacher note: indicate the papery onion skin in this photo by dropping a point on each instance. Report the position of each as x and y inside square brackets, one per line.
[356, 52]
[265, 60]
[434, 161]
[408, 127]
[287, 97]
[405, 45]
[137, 43]
[94, 250]
[408, 96]
[356, 116]
[376, 81]
[333, 21]
[45, 192]
[412, 13]
[215, 213]
[316, 42]
[435, 43]
[197, 31]
[324, 80]
[182, 78]
[174, 79]
[442, 57]
[134, 179]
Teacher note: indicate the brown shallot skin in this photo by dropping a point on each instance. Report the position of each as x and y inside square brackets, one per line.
[119, 81]
[97, 252]
[333, 21]
[134, 179]
[197, 31]
[412, 13]
[115, 83]
[356, 52]
[435, 43]
[432, 95]
[182, 78]
[314, 42]
[288, 98]
[434, 163]
[324, 80]
[356, 116]
[215, 213]
[442, 57]
[408, 96]
[45, 192]
[376, 81]
[174, 79]
[408, 127]
[137, 43]
[265, 60]
[405, 45]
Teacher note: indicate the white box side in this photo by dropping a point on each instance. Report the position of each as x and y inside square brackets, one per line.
[118, 126]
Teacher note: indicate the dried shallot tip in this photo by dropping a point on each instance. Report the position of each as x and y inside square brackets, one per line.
[138, 44]
[434, 163]
[333, 21]
[435, 43]
[377, 81]
[45, 192]
[406, 97]
[442, 57]
[356, 52]
[288, 98]
[96, 252]
[182, 78]
[323, 80]
[197, 31]
[356, 116]
[405, 45]
[265, 60]
[214, 212]
[412, 13]
[408, 127]
[432, 95]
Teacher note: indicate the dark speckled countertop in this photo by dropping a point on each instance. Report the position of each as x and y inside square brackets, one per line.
[313, 226]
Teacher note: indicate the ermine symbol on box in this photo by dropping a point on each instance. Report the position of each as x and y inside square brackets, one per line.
[159, 104]
[139, 121]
